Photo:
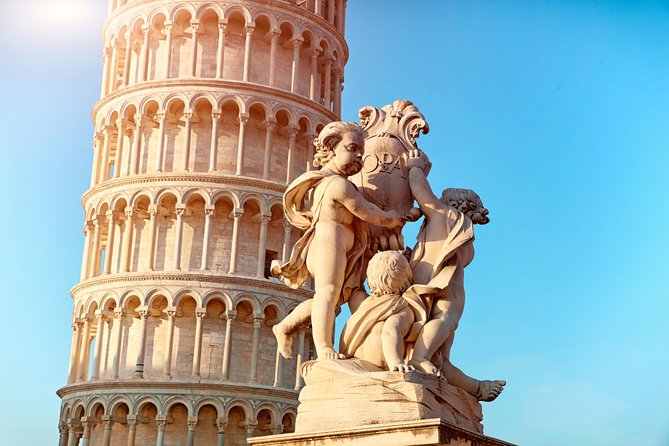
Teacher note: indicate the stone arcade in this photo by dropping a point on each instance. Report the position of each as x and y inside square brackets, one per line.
[207, 112]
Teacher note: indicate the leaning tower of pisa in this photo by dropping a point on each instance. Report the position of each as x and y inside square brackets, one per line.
[207, 111]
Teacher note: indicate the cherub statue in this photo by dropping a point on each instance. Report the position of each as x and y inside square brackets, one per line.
[376, 331]
[444, 248]
[335, 239]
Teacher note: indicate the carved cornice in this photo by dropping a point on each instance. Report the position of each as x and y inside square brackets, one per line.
[218, 85]
[252, 391]
[181, 278]
[166, 179]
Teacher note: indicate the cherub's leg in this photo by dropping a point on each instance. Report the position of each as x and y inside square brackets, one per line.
[356, 299]
[395, 328]
[443, 322]
[328, 272]
[485, 390]
[284, 330]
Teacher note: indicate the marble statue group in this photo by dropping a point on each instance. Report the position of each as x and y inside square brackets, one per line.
[351, 212]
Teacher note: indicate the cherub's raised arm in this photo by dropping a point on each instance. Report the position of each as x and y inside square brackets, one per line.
[347, 195]
[420, 188]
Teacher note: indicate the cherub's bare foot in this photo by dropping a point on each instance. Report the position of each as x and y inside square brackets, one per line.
[489, 390]
[328, 353]
[404, 368]
[284, 343]
[425, 366]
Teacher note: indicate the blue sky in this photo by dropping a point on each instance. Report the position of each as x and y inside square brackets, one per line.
[555, 112]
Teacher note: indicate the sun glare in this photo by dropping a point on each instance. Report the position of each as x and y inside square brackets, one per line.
[64, 12]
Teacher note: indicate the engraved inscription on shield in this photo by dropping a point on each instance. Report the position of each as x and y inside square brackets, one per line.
[384, 178]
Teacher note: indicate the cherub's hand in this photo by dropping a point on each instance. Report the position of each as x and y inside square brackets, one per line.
[396, 219]
[413, 215]
[417, 158]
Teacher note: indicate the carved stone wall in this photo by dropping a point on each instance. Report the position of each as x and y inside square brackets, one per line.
[207, 112]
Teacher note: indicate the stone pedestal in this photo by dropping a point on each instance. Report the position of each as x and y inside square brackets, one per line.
[345, 394]
[431, 432]
[344, 403]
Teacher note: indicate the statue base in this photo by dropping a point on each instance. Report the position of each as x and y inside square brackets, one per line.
[408, 433]
[344, 394]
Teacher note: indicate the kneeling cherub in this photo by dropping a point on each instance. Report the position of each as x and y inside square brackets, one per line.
[376, 331]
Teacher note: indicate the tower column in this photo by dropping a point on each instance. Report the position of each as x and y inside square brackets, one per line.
[314, 73]
[271, 125]
[161, 140]
[129, 40]
[118, 326]
[168, 44]
[192, 423]
[108, 423]
[153, 212]
[262, 245]
[257, 325]
[230, 320]
[111, 230]
[71, 434]
[188, 116]
[169, 341]
[132, 429]
[213, 151]
[181, 210]
[127, 239]
[209, 211]
[243, 119]
[200, 314]
[336, 106]
[84, 350]
[114, 64]
[136, 144]
[97, 149]
[99, 339]
[87, 430]
[139, 362]
[272, 58]
[161, 422]
[221, 432]
[292, 135]
[62, 434]
[88, 228]
[220, 52]
[236, 215]
[144, 57]
[105, 71]
[297, 42]
[74, 352]
[103, 175]
[195, 25]
[95, 255]
[328, 83]
[118, 162]
[247, 53]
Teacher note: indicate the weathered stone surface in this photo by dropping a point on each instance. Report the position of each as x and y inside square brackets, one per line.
[344, 394]
[407, 433]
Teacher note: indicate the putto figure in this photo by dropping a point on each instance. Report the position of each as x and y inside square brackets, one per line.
[335, 239]
[376, 331]
[444, 247]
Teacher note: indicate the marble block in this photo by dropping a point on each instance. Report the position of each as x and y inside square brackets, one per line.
[343, 394]
[434, 432]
